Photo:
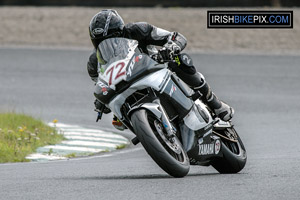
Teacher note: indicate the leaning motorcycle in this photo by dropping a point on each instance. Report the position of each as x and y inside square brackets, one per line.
[167, 117]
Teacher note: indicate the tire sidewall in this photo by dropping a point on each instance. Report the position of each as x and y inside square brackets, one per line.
[154, 147]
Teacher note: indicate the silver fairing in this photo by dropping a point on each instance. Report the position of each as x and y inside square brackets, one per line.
[194, 120]
[158, 81]
[154, 80]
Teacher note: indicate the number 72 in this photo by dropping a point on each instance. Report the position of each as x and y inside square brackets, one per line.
[114, 76]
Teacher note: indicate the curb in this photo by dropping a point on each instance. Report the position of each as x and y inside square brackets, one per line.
[78, 141]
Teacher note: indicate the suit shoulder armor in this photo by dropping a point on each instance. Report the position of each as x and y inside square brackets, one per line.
[139, 27]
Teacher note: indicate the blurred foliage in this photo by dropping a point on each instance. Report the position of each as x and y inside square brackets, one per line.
[21, 135]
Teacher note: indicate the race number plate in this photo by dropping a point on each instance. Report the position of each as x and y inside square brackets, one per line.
[115, 72]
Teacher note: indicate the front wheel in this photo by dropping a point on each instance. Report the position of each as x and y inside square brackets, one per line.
[234, 153]
[167, 153]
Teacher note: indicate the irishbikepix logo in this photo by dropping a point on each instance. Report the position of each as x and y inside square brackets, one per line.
[249, 19]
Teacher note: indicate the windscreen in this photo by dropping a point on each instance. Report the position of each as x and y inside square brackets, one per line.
[114, 49]
[122, 61]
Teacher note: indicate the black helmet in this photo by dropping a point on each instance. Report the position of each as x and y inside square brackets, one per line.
[105, 24]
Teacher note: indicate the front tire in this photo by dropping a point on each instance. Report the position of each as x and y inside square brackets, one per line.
[169, 156]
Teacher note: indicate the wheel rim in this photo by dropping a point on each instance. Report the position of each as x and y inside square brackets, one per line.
[231, 141]
[234, 147]
[173, 147]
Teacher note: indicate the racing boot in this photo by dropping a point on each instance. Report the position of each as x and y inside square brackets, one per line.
[118, 124]
[221, 109]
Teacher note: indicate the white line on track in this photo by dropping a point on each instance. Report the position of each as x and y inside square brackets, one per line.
[86, 144]
[79, 141]
[86, 138]
[44, 157]
[74, 148]
[98, 135]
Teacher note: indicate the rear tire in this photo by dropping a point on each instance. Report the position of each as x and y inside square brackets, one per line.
[172, 159]
[234, 156]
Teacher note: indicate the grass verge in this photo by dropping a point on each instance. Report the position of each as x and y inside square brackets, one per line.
[21, 135]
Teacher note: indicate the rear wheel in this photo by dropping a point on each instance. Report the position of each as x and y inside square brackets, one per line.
[234, 153]
[167, 153]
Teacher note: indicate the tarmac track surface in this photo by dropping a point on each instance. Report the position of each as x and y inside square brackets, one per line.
[264, 90]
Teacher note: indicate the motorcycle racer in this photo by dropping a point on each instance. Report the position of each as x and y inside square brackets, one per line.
[108, 24]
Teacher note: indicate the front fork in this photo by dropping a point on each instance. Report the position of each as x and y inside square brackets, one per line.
[170, 129]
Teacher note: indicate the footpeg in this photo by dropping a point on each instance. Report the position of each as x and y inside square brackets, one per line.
[135, 141]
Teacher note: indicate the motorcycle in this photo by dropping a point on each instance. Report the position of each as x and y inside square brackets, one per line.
[175, 128]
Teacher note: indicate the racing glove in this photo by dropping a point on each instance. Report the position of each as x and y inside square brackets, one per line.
[168, 51]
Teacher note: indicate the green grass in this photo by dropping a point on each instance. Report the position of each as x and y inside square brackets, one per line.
[121, 146]
[71, 155]
[21, 135]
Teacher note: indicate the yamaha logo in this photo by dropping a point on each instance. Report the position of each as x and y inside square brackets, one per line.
[210, 149]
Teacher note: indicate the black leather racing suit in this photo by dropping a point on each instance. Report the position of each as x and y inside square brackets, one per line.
[148, 35]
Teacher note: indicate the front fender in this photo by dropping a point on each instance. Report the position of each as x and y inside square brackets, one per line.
[152, 107]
